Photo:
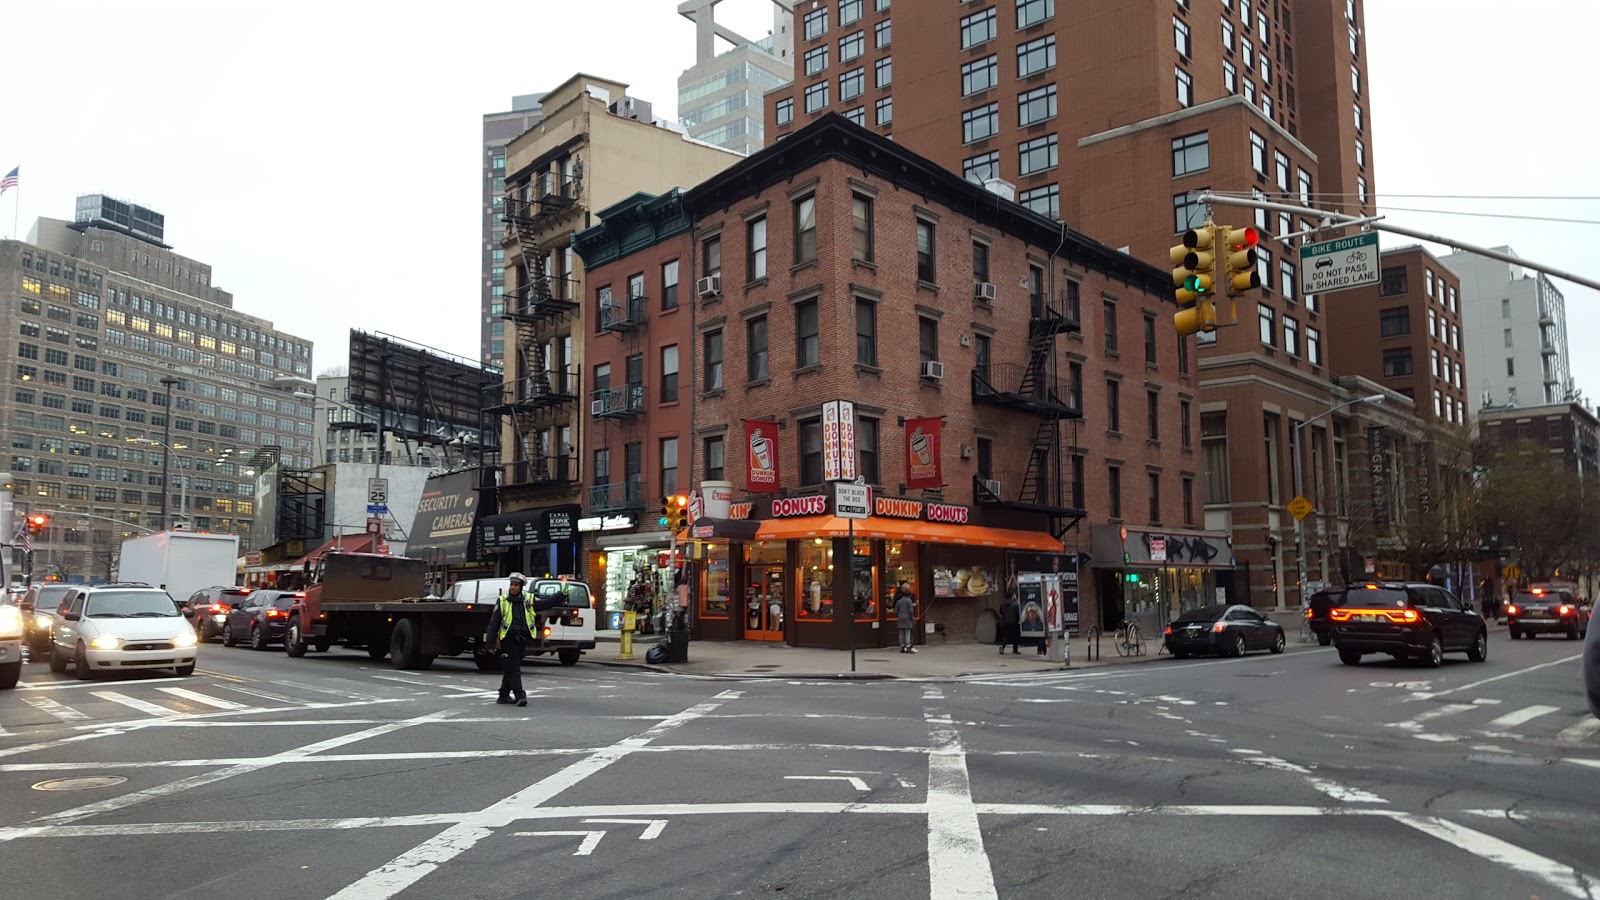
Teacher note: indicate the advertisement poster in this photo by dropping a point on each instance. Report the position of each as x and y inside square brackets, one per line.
[973, 581]
[761, 451]
[922, 453]
[1030, 593]
[1067, 590]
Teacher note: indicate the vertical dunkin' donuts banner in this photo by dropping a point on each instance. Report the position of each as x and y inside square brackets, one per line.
[922, 453]
[761, 454]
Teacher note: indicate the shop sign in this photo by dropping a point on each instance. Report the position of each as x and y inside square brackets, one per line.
[740, 510]
[252, 558]
[604, 523]
[785, 507]
[947, 513]
[922, 453]
[896, 508]
[560, 525]
[1145, 548]
[1158, 550]
[761, 453]
[838, 441]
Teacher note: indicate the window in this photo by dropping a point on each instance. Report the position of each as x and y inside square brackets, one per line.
[979, 75]
[755, 262]
[1191, 153]
[1036, 106]
[669, 285]
[1037, 155]
[815, 23]
[756, 341]
[1045, 201]
[1393, 281]
[977, 28]
[861, 227]
[1227, 36]
[669, 374]
[1113, 405]
[1180, 38]
[1281, 170]
[805, 229]
[866, 333]
[1394, 322]
[852, 46]
[1230, 77]
[715, 456]
[1149, 339]
[880, 34]
[1291, 336]
[711, 256]
[785, 110]
[1258, 153]
[1313, 346]
[884, 110]
[1188, 500]
[927, 339]
[1032, 12]
[810, 451]
[1109, 311]
[805, 334]
[979, 169]
[1036, 56]
[982, 353]
[1286, 281]
[1114, 488]
[1185, 85]
[1075, 385]
[867, 451]
[981, 123]
[1187, 211]
[1397, 363]
[669, 465]
[712, 352]
[849, 11]
[925, 267]
[1361, 188]
[1152, 414]
[1155, 496]
[980, 262]
[883, 72]
[852, 83]
[1269, 334]
[1077, 477]
[1357, 117]
[1185, 424]
[816, 97]
[1214, 447]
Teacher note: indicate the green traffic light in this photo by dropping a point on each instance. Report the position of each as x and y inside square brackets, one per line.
[1194, 284]
[662, 521]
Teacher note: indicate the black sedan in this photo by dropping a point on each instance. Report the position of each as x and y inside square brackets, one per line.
[261, 618]
[211, 607]
[1547, 611]
[1223, 630]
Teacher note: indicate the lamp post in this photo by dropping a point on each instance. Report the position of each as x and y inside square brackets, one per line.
[166, 440]
[1300, 523]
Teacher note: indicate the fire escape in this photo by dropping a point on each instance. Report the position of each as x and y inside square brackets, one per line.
[1035, 390]
[621, 408]
[536, 397]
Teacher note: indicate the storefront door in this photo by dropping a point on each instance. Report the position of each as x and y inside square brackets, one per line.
[764, 603]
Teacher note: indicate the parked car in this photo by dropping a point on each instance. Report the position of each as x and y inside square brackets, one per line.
[1591, 671]
[1316, 614]
[262, 618]
[1406, 620]
[1547, 611]
[1223, 630]
[211, 606]
[39, 607]
[114, 627]
[12, 625]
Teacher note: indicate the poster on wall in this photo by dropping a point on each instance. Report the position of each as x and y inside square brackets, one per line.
[968, 581]
[1067, 599]
[761, 453]
[1030, 593]
[922, 453]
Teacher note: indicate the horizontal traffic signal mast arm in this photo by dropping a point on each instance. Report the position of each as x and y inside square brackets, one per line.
[1337, 220]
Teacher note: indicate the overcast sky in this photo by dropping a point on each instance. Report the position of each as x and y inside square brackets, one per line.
[323, 157]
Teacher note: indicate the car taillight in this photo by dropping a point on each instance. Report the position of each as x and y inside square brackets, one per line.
[274, 613]
[1511, 610]
[1219, 627]
[547, 631]
[1398, 616]
[218, 607]
[1168, 630]
[1565, 610]
[1308, 612]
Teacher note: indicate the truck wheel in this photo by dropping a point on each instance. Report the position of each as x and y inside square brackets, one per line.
[323, 646]
[292, 644]
[568, 655]
[486, 662]
[9, 673]
[405, 646]
[377, 651]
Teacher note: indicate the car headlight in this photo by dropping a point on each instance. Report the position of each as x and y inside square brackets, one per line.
[41, 622]
[10, 622]
[185, 639]
[106, 642]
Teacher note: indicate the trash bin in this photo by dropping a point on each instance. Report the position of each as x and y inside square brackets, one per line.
[678, 646]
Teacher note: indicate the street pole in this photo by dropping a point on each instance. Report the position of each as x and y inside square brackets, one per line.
[852, 606]
[166, 449]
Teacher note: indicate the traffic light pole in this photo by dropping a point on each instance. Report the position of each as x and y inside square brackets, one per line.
[1331, 220]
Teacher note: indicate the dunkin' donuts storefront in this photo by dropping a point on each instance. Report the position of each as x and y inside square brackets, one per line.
[788, 569]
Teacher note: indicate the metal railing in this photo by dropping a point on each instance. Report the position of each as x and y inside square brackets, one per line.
[621, 495]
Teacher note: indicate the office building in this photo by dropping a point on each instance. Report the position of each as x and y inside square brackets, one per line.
[498, 130]
[720, 96]
[1515, 324]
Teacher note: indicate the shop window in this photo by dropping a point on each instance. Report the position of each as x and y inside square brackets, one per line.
[816, 578]
[717, 596]
[900, 567]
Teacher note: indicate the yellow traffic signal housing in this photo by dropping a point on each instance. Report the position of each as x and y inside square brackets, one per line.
[1195, 280]
[665, 520]
[1202, 316]
[680, 512]
[1240, 257]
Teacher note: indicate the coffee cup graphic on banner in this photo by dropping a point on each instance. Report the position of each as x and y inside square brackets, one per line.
[922, 453]
[763, 461]
[921, 448]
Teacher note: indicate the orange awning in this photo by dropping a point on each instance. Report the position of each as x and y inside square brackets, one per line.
[882, 528]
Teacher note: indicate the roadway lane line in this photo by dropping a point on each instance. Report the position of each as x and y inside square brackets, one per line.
[198, 697]
[64, 713]
[1525, 714]
[412, 866]
[1560, 876]
[143, 706]
[1415, 722]
[958, 864]
[1579, 732]
[1331, 788]
[67, 685]
[1424, 695]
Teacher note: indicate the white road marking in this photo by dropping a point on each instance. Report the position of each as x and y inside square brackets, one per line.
[143, 706]
[730, 695]
[591, 839]
[855, 782]
[1591, 763]
[64, 713]
[1486, 701]
[67, 685]
[1545, 665]
[1526, 714]
[1559, 876]
[1415, 722]
[653, 827]
[205, 699]
[958, 864]
[1331, 788]
[1581, 731]
[265, 695]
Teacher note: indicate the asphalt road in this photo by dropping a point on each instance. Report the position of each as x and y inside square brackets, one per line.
[329, 776]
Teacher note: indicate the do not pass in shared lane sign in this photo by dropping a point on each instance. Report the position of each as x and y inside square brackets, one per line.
[1339, 264]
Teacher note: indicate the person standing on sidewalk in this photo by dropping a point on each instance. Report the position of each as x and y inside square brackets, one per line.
[905, 614]
[1010, 624]
[511, 627]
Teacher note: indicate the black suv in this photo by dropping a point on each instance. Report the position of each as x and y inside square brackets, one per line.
[38, 605]
[1547, 611]
[211, 606]
[1405, 620]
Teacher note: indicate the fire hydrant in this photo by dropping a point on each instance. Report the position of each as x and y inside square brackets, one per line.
[628, 617]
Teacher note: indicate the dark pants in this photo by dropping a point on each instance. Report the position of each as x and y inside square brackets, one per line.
[1010, 633]
[511, 670]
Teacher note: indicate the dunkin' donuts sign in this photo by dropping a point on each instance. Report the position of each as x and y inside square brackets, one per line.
[785, 507]
[898, 508]
[761, 451]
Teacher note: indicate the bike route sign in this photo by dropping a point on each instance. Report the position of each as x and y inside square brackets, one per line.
[1339, 264]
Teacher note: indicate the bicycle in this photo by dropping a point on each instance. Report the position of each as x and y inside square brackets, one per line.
[1128, 640]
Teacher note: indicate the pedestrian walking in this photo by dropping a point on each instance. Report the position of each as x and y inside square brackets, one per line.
[1010, 625]
[905, 614]
[511, 626]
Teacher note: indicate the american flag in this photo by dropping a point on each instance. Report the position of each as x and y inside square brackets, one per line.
[10, 181]
[26, 541]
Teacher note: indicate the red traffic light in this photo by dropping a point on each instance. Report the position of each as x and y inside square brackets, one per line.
[38, 520]
[680, 501]
[1240, 238]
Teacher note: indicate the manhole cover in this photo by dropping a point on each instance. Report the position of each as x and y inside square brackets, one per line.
[87, 783]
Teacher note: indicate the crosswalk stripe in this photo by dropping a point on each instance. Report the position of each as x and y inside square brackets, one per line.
[143, 706]
[187, 694]
[265, 695]
[64, 713]
[1449, 709]
[1580, 731]
[1526, 714]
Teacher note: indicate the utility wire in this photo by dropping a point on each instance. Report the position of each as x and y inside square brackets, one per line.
[1440, 212]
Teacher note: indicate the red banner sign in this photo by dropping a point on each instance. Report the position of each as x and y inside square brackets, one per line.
[761, 453]
[922, 453]
[799, 506]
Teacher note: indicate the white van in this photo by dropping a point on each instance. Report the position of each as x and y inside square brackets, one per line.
[567, 630]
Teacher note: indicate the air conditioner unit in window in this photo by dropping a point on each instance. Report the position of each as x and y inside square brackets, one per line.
[933, 370]
[597, 408]
[983, 290]
[991, 487]
[709, 286]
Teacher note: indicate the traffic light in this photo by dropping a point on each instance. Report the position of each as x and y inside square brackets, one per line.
[665, 519]
[37, 523]
[1240, 257]
[1195, 279]
[680, 512]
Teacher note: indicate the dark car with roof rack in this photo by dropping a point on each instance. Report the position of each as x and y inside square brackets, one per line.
[1406, 620]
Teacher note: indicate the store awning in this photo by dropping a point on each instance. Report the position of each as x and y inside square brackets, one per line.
[879, 527]
[706, 528]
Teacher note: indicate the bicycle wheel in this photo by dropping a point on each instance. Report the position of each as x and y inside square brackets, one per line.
[1135, 641]
[1120, 641]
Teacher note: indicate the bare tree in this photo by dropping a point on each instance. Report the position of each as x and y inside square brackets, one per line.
[1536, 506]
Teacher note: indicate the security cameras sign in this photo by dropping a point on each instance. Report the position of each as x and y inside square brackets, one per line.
[1339, 264]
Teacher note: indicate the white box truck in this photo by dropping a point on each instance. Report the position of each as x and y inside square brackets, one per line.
[181, 562]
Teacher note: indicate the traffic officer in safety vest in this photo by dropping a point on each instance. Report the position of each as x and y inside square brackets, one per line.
[511, 626]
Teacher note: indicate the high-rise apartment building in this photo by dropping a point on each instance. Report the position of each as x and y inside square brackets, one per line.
[121, 353]
[1516, 334]
[498, 130]
[1114, 117]
[720, 96]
